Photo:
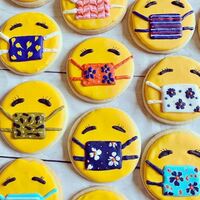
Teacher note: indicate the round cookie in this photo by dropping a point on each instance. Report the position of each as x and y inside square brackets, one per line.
[30, 3]
[29, 42]
[93, 16]
[99, 193]
[161, 26]
[30, 179]
[99, 69]
[104, 145]
[33, 116]
[170, 166]
[171, 90]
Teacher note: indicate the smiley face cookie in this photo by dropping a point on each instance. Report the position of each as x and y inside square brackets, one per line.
[99, 193]
[28, 179]
[104, 145]
[33, 116]
[170, 166]
[29, 42]
[93, 16]
[171, 90]
[99, 69]
[30, 3]
[161, 26]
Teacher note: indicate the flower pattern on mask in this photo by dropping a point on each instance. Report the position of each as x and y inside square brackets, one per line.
[89, 73]
[114, 159]
[193, 188]
[190, 94]
[171, 92]
[176, 178]
[180, 104]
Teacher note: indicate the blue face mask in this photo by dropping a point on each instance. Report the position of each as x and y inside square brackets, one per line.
[33, 196]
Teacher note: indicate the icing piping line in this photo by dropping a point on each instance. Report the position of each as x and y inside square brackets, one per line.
[154, 167]
[127, 143]
[187, 14]
[78, 143]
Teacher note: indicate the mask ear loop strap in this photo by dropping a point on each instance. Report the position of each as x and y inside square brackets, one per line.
[7, 130]
[6, 114]
[154, 167]
[154, 86]
[75, 63]
[51, 35]
[54, 113]
[141, 16]
[187, 14]
[123, 62]
[117, 6]
[72, 11]
[50, 193]
[154, 183]
[129, 142]
[4, 37]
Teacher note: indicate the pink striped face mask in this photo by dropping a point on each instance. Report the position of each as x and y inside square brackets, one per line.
[92, 9]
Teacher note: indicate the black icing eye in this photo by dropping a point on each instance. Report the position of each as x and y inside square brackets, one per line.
[39, 180]
[17, 101]
[15, 26]
[9, 180]
[115, 51]
[89, 128]
[196, 72]
[164, 153]
[43, 25]
[119, 128]
[194, 152]
[178, 3]
[44, 101]
[86, 51]
[151, 3]
[164, 71]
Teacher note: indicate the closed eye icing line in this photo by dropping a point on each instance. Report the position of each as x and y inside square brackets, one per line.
[43, 25]
[45, 102]
[85, 52]
[178, 3]
[10, 180]
[119, 128]
[194, 152]
[164, 153]
[89, 128]
[39, 180]
[15, 26]
[164, 71]
[150, 4]
[194, 71]
[115, 51]
[17, 101]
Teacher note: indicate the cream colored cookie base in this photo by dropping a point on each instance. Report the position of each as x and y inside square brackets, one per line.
[149, 110]
[94, 32]
[31, 4]
[71, 134]
[85, 191]
[151, 141]
[139, 43]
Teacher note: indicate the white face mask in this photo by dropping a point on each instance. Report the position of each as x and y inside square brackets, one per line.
[181, 98]
[27, 48]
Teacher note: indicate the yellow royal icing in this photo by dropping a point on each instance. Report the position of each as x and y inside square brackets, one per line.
[103, 119]
[31, 92]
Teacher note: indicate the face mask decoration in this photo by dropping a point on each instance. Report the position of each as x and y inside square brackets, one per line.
[99, 73]
[178, 181]
[30, 125]
[181, 98]
[27, 48]
[92, 9]
[34, 196]
[104, 155]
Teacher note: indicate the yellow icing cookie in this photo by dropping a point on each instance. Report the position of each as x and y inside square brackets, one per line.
[30, 3]
[29, 42]
[33, 116]
[170, 166]
[104, 145]
[28, 179]
[171, 90]
[99, 69]
[93, 17]
[161, 26]
[99, 193]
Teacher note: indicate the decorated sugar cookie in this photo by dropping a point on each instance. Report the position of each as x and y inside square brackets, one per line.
[171, 90]
[28, 179]
[30, 3]
[99, 193]
[170, 166]
[93, 16]
[99, 69]
[29, 42]
[104, 145]
[33, 116]
[161, 26]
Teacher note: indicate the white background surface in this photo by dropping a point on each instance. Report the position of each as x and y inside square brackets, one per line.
[130, 101]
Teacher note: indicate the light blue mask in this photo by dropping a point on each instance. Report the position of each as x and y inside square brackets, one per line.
[33, 196]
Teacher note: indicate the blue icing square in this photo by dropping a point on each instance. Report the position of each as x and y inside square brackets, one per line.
[103, 155]
[181, 181]
[26, 48]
